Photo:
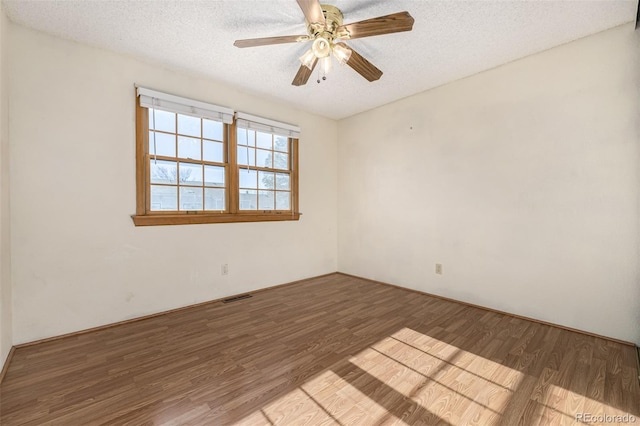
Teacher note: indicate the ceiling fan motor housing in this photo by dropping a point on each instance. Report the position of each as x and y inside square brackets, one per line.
[333, 19]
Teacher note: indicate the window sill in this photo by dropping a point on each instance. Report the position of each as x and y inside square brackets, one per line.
[193, 219]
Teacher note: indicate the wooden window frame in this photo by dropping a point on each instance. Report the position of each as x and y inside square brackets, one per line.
[146, 217]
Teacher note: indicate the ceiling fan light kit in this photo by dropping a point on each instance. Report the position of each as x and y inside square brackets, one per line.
[326, 30]
[308, 59]
[341, 53]
[321, 47]
[326, 64]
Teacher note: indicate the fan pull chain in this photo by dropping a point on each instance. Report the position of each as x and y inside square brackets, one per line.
[324, 76]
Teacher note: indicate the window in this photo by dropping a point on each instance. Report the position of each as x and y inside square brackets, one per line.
[187, 164]
[200, 163]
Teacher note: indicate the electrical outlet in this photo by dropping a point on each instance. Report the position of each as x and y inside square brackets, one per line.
[224, 270]
[439, 268]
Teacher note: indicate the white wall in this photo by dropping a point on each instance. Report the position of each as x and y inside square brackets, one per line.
[6, 338]
[523, 181]
[78, 260]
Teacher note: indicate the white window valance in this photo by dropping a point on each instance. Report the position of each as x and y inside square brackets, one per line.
[252, 122]
[154, 99]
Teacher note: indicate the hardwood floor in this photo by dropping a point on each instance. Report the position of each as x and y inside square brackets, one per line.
[332, 350]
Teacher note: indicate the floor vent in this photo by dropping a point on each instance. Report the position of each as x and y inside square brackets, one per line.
[236, 298]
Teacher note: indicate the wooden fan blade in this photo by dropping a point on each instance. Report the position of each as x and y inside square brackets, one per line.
[252, 42]
[394, 23]
[312, 11]
[303, 74]
[362, 66]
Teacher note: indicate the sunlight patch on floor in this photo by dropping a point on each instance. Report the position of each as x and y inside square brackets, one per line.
[257, 418]
[435, 374]
[560, 406]
[326, 399]
[431, 373]
[428, 377]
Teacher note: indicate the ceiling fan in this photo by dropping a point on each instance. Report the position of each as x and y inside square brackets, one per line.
[326, 31]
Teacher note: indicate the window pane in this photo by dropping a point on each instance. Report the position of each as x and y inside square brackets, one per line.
[283, 200]
[283, 181]
[164, 197]
[213, 176]
[190, 198]
[248, 199]
[214, 199]
[163, 171]
[248, 178]
[165, 144]
[265, 140]
[281, 143]
[165, 121]
[188, 125]
[212, 129]
[190, 174]
[246, 156]
[246, 137]
[281, 161]
[188, 148]
[212, 151]
[265, 200]
[264, 158]
[266, 180]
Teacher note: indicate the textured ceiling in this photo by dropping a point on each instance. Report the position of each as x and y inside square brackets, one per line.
[450, 40]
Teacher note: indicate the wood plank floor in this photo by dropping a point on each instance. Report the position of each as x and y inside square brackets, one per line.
[332, 350]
